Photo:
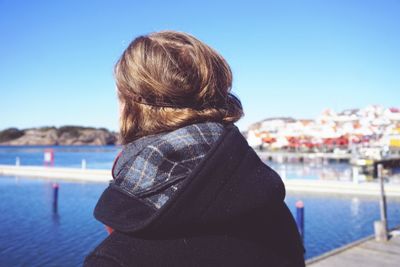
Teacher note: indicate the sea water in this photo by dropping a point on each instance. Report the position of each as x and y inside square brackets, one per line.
[32, 234]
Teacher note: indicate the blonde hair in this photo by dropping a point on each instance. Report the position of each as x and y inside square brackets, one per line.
[167, 80]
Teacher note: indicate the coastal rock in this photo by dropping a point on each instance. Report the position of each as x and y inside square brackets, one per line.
[35, 137]
[66, 135]
[88, 136]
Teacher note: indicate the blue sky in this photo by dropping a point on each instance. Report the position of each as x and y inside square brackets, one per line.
[289, 58]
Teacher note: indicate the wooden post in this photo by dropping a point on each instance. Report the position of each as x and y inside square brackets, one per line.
[380, 227]
[55, 197]
[300, 218]
[383, 206]
[83, 165]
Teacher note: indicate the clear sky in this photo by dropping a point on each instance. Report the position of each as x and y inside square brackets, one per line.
[289, 58]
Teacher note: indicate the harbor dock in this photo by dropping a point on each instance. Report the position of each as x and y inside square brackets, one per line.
[366, 252]
[341, 187]
[299, 156]
[56, 173]
[292, 185]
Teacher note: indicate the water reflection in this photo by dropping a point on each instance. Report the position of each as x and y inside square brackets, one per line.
[55, 218]
[355, 206]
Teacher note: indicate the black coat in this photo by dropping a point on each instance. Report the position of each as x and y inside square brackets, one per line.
[228, 212]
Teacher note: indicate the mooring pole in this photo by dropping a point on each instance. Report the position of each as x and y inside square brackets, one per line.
[383, 196]
[55, 197]
[381, 227]
[300, 218]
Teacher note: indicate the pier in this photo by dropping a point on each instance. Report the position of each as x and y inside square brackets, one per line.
[341, 187]
[299, 156]
[55, 173]
[292, 185]
[366, 252]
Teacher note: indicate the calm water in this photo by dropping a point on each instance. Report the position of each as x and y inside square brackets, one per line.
[101, 157]
[32, 235]
[333, 221]
[97, 157]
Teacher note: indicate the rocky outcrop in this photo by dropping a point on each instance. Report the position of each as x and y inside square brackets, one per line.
[66, 135]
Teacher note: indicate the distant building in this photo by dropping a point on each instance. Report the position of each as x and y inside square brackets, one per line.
[372, 125]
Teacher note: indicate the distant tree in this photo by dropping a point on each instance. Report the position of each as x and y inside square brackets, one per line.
[73, 131]
[47, 128]
[10, 134]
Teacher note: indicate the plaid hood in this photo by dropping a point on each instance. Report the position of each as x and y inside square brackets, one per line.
[227, 187]
[152, 168]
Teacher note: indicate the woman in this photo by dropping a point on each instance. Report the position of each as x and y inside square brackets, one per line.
[187, 188]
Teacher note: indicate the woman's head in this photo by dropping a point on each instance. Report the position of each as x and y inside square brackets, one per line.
[166, 80]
